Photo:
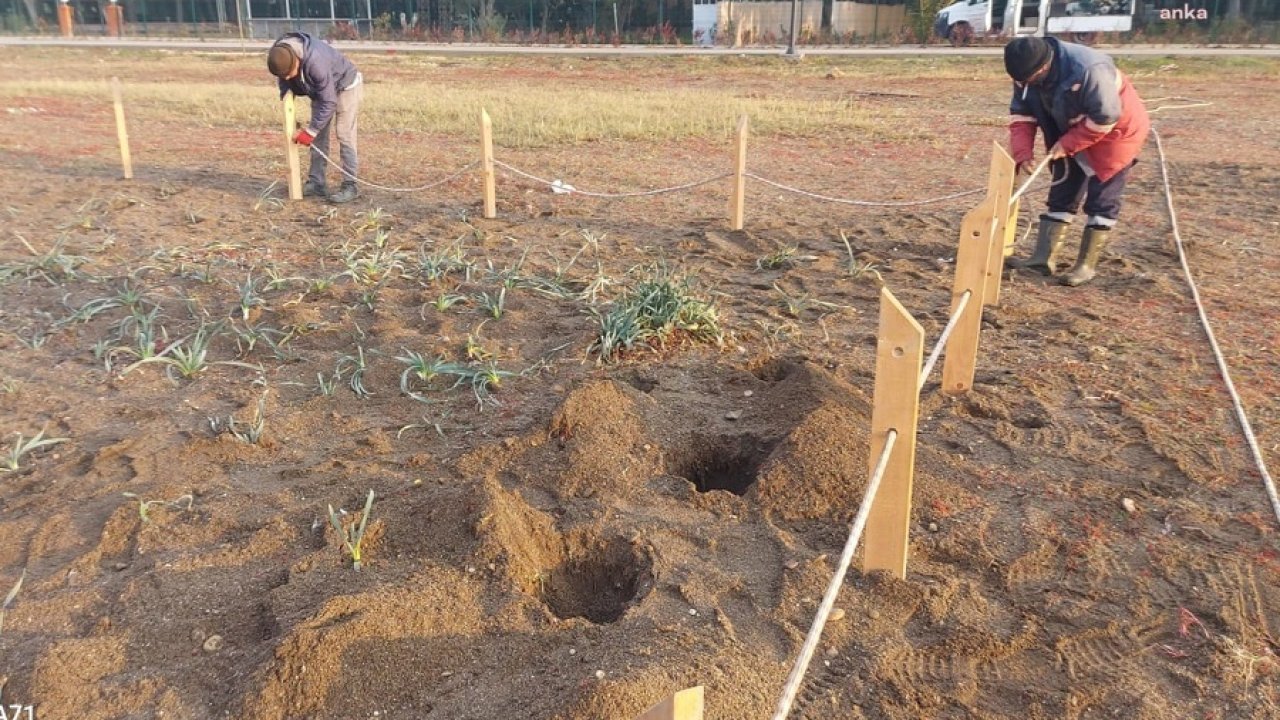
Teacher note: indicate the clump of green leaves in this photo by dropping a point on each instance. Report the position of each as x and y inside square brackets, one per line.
[421, 371]
[22, 446]
[249, 297]
[352, 537]
[493, 305]
[483, 380]
[796, 304]
[52, 265]
[190, 355]
[857, 269]
[250, 433]
[371, 263]
[144, 506]
[358, 366]
[444, 301]
[439, 263]
[783, 257]
[652, 311]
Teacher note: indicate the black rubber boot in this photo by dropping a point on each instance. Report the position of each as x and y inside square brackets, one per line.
[1044, 259]
[1092, 244]
[311, 188]
[345, 194]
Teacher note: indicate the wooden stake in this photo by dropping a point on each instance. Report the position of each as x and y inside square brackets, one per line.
[737, 202]
[122, 133]
[685, 705]
[972, 261]
[899, 355]
[1010, 230]
[486, 163]
[999, 190]
[291, 148]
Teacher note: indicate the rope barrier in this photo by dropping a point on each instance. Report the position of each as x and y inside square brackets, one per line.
[942, 339]
[420, 188]
[1213, 342]
[833, 588]
[571, 190]
[1192, 103]
[864, 203]
[1039, 168]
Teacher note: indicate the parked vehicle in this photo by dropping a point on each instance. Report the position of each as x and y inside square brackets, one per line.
[1078, 20]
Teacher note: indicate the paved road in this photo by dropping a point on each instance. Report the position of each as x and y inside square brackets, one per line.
[222, 45]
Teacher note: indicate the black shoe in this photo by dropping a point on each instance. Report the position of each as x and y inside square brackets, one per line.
[345, 194]
[312, 188]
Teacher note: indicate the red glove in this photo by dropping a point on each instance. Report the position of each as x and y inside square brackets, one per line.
[303, 137]
[1022, 142]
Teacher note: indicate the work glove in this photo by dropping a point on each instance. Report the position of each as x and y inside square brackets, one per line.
[302, 137]
[1025, 167]
[1022, 144]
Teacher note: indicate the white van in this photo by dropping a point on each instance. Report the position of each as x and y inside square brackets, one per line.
[1077, 19]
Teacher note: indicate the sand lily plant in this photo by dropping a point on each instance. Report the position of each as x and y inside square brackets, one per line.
[144, 506]
[421, 371]
[22, 446]
[352, 537]
[650, 312]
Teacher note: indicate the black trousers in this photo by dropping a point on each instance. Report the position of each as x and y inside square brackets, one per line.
[1102, 199]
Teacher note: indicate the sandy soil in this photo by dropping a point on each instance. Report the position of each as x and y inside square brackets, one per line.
[605, 535]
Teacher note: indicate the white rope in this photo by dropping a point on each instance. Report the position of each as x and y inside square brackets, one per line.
[1213, 342]
[1153, 111]
[420, 188]
[1192, 103]
[571, 190]
[1039, 169]
[942, 339]
[863, 203]
[833, 588]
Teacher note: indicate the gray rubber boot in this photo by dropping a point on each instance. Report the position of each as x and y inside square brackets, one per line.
[311, 188]
[1044, 259]
[1091, 246]
[345, 194]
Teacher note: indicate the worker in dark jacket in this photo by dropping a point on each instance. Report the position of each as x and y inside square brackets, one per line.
[311, 67]
[1094, 125]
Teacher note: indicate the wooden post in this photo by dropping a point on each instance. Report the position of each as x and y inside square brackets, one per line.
[999, 190]
[972, 263]
[122, 133]
[685, 705]
[1011, 229]
[66, 18]
[291, 148]
[737, 202]
[899, 354]
[486, 164]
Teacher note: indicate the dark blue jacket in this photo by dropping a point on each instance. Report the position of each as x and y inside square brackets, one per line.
[1086, 105]
[324, 73]
[1082, 82]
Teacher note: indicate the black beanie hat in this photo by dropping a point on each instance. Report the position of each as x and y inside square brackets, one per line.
[280, 60]
[1025, 55]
